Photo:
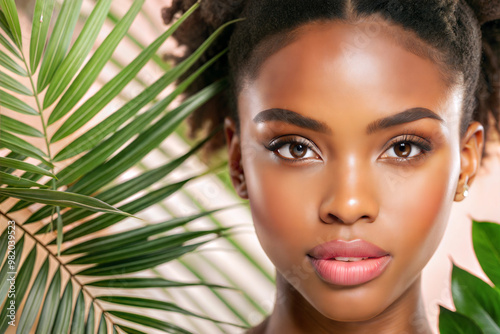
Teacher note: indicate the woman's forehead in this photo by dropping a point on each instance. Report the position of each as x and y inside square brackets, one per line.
[330, 67]
[357, 34]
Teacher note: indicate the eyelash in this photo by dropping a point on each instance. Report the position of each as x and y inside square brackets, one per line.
[415, 140]
[278, 143]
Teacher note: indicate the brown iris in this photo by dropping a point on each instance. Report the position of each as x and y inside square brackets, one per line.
[297, 150]
[402, 150]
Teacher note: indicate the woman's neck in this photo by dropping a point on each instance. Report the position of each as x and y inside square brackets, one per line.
[292, 314]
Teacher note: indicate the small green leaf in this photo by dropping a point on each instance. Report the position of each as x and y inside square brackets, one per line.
[59, 41]
[11, 65]
[93, 67]
[103, 328]
[17, 252]
[3, 245]
[486, 241]
[154, 304]
[21, 285]
[129, 330]
[50, 305]
[146, 283]
[4, 25]
[63, 315]
[17, 164]
[13, 85]
[15, 181]
[78, 52]
[7, 44]
[13, 125]
[109, 91]
[149, 322]
[78, 322]
[476, 300]
[9, 137]
[39, 30]
[10, 12]
[34, 300]
[21, 150]
[61, 198]
[90, 324]
[134, 264]
[13, 103]
[164, 244]
[456, 323]
[13, 156]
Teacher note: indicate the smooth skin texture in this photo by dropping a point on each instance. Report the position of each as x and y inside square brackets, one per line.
[335, 174]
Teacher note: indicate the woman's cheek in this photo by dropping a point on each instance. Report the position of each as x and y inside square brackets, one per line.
[419, 209]
[281, 208]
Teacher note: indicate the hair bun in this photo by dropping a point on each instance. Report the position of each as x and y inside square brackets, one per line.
[486, 10]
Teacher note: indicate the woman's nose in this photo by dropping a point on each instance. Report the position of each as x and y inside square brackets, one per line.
[351, 195]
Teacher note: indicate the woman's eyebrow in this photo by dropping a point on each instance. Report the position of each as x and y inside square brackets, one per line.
[407, 116]
[291, 117]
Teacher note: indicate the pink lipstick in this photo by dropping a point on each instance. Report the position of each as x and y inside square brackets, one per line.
[349, 263]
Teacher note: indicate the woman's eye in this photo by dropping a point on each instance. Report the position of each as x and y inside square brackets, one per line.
[293, 150]
[404, 150]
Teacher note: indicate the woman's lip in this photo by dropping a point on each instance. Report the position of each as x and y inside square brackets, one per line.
[341, 248]
[350, 273]
[358, 261]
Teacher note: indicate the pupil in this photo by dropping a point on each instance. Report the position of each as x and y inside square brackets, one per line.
[297, 150]
[403, 150]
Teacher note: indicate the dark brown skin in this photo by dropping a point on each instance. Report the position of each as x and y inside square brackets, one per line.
[350, 184]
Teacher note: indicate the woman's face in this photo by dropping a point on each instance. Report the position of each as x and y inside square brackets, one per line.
[346, 135]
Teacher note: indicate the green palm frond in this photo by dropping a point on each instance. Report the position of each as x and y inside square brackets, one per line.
[77, 188]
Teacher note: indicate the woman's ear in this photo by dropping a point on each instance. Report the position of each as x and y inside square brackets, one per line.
[470, 158]
[234, 158]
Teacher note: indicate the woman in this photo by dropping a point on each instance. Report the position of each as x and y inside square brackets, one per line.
[351, 127]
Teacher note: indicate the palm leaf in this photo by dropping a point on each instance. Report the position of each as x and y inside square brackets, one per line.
[9, 9]
[13, 103]
[5, 42]
[86, 190]
[39, 30]
[12, 125]
[11, 65]
[16, 181]
[13, 85]
[17, 164]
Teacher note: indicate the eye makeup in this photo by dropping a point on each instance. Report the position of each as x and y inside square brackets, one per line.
[411, 142]
[288, 143]
[405, 148]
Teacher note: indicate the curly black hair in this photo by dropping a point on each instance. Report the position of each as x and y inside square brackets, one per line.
[461, 35]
